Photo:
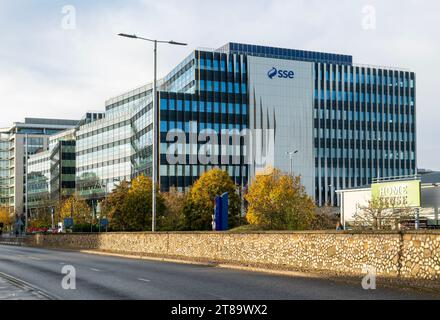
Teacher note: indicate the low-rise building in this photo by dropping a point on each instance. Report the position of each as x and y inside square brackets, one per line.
[419, 194]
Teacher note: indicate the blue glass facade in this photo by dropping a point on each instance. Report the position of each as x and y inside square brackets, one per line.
[288, 54]
[216, 98]
[364, 126]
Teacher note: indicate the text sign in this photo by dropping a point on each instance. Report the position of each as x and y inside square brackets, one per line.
[400, 194]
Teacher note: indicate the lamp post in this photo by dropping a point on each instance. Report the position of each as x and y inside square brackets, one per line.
[155, 117]
[291, 154]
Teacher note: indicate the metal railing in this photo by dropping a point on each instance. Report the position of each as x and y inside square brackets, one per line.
[397, 178]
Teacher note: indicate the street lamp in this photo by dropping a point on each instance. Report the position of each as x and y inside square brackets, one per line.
[155, 116]
[291, 154]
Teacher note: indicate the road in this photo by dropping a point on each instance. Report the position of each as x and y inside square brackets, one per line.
[115, 278]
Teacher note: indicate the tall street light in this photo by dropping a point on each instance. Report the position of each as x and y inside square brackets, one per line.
[155, 116]
[291, 154]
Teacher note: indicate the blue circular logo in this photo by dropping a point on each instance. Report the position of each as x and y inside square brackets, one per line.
[272, 73]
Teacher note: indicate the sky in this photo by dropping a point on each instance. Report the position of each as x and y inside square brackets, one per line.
[59, 59]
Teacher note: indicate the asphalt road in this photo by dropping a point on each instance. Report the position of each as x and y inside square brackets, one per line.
[114, 278]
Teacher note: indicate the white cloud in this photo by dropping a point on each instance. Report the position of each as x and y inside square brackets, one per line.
[50, 72]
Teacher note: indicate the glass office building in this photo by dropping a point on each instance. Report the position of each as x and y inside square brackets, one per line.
[5, 167]
[51, 172]
[38, 181]
[17, 144]
[349, 123]
[117, 147]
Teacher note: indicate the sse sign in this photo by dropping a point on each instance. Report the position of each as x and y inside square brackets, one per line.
[282, 74]
[402, 193]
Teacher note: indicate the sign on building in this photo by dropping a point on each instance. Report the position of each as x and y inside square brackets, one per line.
[400, 194]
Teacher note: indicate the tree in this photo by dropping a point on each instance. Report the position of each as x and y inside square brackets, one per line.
[6, 218]
[41, 217]
[137, 207]
[381, 214]
[279, 202]
[173, 217]
[114, 205]
[199, 206]
[325, 218]
[78, 208]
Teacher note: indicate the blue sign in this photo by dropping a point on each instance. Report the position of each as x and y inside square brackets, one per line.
[68, 223]
[220, 218]
[104, 223]
[282, 74]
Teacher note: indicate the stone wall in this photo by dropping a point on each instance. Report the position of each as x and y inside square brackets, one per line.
[411, 255]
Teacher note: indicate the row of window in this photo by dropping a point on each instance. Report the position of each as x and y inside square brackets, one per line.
[166, 126]
[222, 86]
[349, 153]
[371, 79]
[198, 170]
[363, 115]
[103, 130]
[221, 65]
[364, 135]
[102, 164]
[201, 106]
[364, 98]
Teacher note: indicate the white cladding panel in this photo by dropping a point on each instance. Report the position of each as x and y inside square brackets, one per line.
[287, 104]
[350, 202]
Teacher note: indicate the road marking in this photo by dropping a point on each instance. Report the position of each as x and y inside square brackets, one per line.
[34, 258]
[96, 270]
[218, 297]
[144, 280]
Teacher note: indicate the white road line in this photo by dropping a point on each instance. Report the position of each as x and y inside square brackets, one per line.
[96, 270]
[34, 258]
[218, 297]
[144, 280]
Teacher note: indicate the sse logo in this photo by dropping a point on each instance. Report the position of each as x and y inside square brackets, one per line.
[283, 74]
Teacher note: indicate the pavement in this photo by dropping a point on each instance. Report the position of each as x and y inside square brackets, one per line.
[13, 289]
[101, 277]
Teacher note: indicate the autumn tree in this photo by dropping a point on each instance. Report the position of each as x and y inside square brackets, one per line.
[137, 206]
[199, 206]
[6, 218]
[173, 217]
[113, 207]
[78, 209]
[41, 217]
[279, 202]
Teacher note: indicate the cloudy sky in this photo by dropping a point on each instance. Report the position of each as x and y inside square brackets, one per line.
[56, 64]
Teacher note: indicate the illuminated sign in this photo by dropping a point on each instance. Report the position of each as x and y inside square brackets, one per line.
[400, 194]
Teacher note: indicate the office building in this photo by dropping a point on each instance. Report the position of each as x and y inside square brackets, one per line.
[350, 123]
[17, 143]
